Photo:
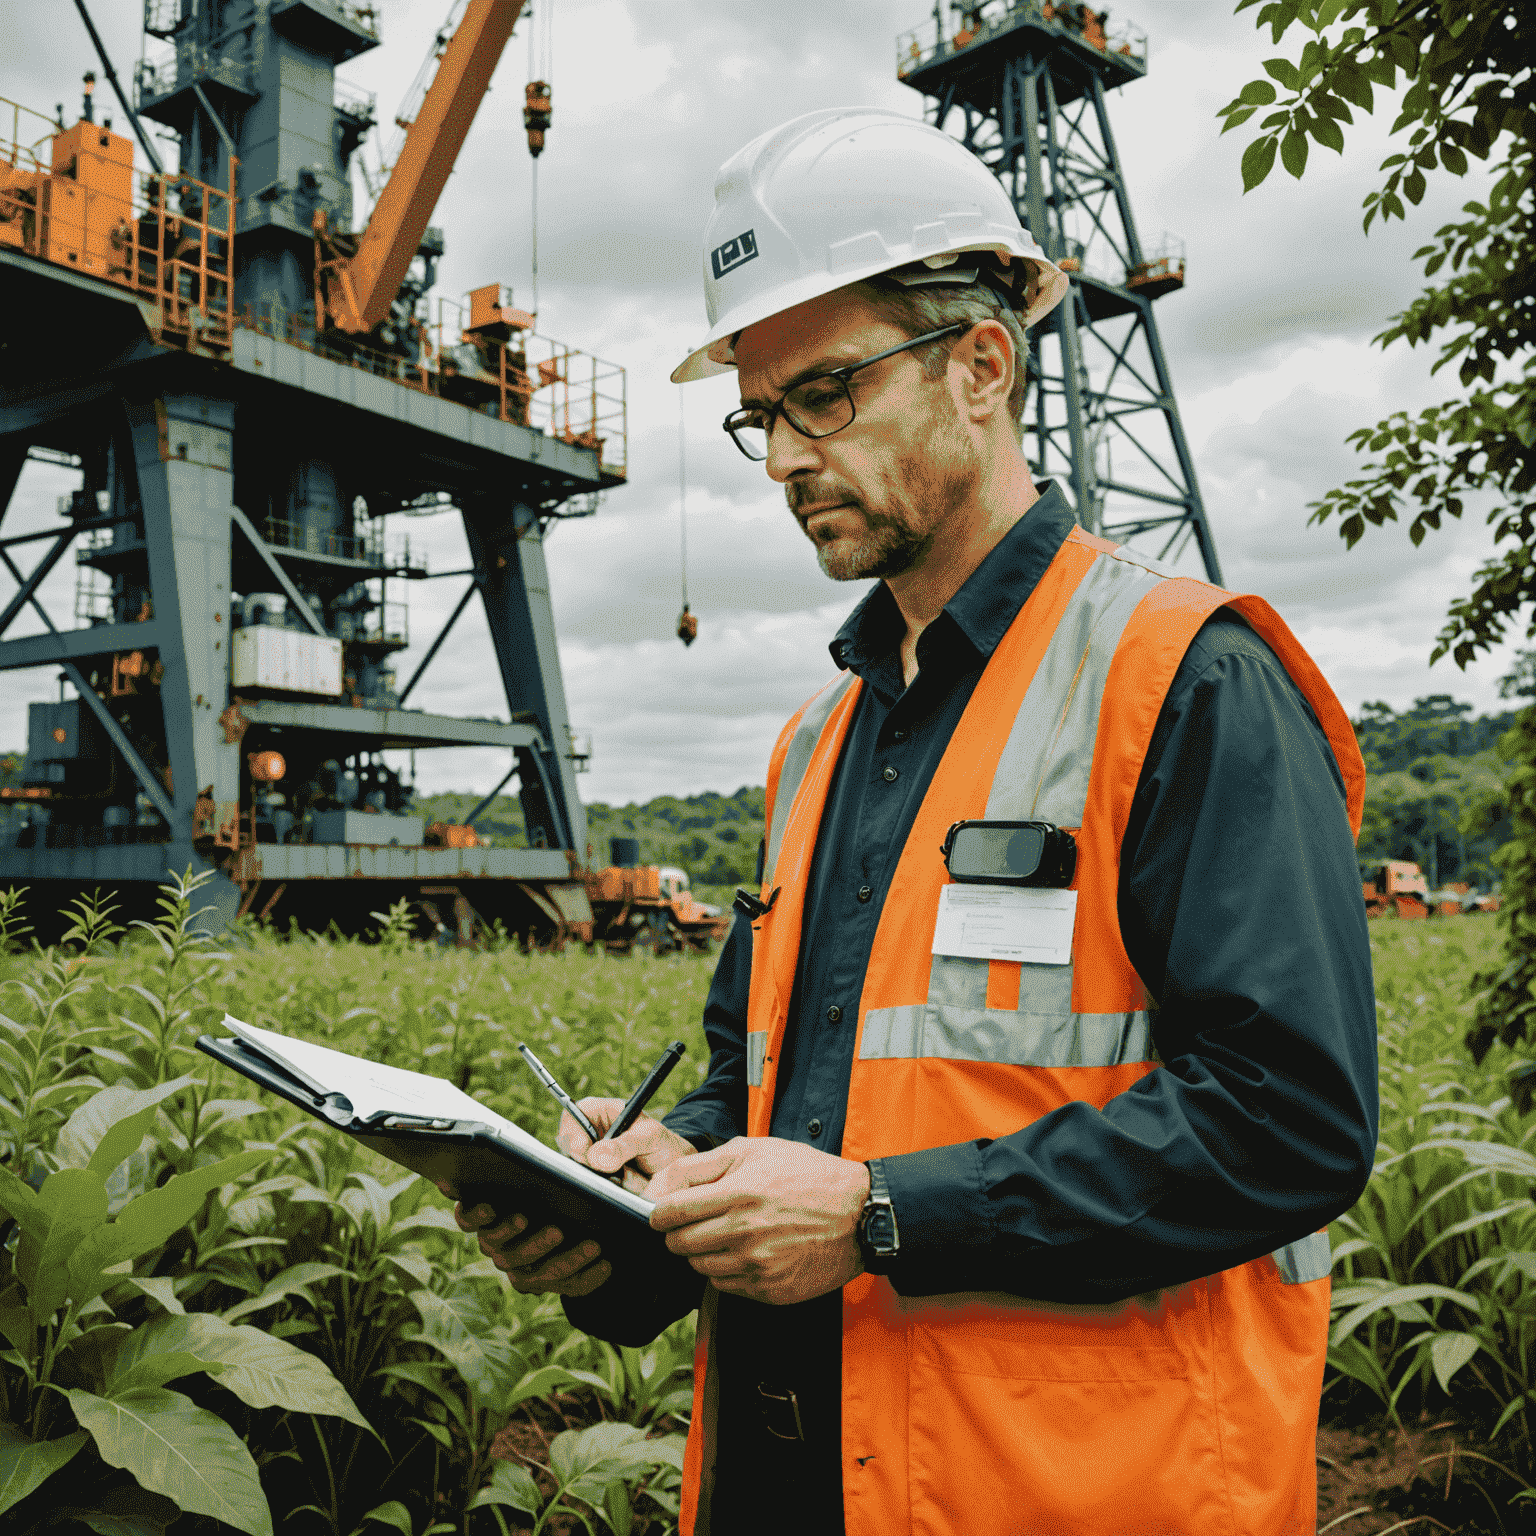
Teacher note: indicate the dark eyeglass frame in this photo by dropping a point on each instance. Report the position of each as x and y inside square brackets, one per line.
[739, 419]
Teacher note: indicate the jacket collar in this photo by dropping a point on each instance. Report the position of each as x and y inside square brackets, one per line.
[978, 615]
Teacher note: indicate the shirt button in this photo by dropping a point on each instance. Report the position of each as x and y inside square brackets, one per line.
[813, 1128]
[865, 892]
[834, 1014]
[889, 774]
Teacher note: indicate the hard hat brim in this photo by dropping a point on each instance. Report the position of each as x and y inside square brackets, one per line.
[705, 361]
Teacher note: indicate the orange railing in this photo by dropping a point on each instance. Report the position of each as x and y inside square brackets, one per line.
[928, 42]
[166, 238]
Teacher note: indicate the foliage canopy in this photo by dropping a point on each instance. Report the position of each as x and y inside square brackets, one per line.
[1466, 69]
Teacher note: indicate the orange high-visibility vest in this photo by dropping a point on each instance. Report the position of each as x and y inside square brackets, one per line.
[1189, 1411]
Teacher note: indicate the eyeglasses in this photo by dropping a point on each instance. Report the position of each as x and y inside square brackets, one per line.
[815, 407]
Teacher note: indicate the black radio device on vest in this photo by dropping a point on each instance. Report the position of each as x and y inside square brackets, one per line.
[1034, 853]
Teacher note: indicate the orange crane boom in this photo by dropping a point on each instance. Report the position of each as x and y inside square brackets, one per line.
[368, 281]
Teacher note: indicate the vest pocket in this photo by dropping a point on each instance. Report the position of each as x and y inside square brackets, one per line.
[1068, 1439]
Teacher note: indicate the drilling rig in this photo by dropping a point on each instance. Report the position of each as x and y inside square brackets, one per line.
[254, 385]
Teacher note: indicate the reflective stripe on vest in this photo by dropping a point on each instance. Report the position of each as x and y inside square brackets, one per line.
[1042, 775]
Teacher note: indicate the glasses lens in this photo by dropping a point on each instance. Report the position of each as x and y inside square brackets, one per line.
[819, 407]
[750, 437]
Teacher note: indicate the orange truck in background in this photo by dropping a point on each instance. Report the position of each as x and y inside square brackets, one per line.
[1399, 886]
[649, 905]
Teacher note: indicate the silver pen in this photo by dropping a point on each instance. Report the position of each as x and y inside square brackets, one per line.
[567, 1103]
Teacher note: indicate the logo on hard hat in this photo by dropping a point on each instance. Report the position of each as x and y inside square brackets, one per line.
[734, 253]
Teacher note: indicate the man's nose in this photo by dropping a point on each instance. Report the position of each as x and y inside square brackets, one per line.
[790, 451]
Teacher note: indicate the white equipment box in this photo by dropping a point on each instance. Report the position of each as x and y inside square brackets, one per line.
[268, 656]
[369, 828]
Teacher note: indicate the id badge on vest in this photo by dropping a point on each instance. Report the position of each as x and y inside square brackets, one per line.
[1009, 900]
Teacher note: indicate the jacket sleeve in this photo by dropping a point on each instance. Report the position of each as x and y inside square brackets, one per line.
[626, 1310]
[1240, 909]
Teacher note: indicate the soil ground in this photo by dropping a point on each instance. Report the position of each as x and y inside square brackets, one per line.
[1418, 1478]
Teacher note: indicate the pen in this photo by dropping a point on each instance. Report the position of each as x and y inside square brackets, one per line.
[567, 1103]
[647, 1090]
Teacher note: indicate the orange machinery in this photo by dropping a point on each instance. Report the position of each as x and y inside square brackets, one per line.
[1397, 886]
[73, 211]
[357, 286]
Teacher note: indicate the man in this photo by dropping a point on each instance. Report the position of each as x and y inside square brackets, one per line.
[1005, 1197]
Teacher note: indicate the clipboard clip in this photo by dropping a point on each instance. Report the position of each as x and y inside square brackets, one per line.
[337, 1108]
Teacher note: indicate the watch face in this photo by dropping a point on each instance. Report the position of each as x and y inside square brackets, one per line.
[880, 1229]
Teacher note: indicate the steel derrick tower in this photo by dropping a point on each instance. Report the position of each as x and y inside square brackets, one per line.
[1022, 84]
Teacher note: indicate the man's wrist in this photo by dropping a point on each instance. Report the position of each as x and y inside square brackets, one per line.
[879, 1240]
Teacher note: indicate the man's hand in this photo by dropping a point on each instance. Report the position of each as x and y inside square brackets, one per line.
[642, 1151]
[764, 1218]
[647, 1143]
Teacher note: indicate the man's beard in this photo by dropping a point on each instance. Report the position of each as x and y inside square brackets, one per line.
[915, 499]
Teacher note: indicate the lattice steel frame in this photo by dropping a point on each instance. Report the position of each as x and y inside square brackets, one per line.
[1100, 386]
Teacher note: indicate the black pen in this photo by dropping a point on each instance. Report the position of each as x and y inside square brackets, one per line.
[567, 1103]
[647, 1090]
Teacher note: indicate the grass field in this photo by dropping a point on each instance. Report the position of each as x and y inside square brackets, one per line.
[327, 1352]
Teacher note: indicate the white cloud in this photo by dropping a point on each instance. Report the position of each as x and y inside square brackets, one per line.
[1269, 347]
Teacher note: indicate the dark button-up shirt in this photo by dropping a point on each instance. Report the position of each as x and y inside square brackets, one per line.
[1239, 905]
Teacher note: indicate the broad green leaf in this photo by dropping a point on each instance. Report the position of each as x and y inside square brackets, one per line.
[148, 1220]
[293, 1281]
[173, 1447]
[76, 1199]
[393, 1513]
[1448, 1353]
[1293, 152]
[26, 1464]
[416, 1266]
[512, 1486]
[156, 1370]
[1258, 160]
[161, 1288]
[16, 1325]
[111, 1124]
[1257, 93]
[618, 1507]
[145, 1223]
[261, 1371]
[20, 1200]
[369, 1200]
[577, 1454]
[541, 1382]
[447, 1332]
[1397, 1296]
[1326, 131]
[1283, 71]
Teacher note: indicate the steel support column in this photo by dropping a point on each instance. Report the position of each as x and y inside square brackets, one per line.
[508, 547]
[182, 461]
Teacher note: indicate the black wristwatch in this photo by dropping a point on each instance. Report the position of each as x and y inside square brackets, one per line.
[878, 1240]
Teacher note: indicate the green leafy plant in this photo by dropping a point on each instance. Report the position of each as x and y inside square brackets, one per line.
[75, 1373]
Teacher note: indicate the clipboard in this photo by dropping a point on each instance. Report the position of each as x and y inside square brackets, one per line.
[489, 1159]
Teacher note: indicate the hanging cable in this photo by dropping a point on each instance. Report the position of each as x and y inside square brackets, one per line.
[687, 624]
[538, 109]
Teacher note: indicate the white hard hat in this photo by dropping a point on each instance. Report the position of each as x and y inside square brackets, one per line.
[844, 194]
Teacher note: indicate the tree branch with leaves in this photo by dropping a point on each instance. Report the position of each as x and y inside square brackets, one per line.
[1464, 72]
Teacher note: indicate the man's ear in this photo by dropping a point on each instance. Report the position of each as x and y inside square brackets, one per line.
[988, 362]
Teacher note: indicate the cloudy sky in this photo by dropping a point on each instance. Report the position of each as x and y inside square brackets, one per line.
[1269, 346]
